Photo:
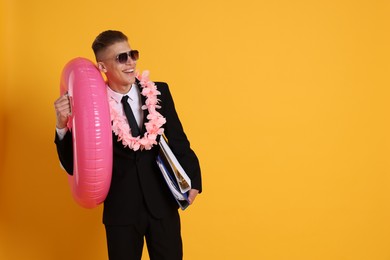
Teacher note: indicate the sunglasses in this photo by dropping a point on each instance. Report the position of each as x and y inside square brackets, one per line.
[123, 57]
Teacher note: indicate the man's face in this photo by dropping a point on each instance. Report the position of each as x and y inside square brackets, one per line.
[120, 76]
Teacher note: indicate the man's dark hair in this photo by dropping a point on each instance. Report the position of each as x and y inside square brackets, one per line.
[105, 39]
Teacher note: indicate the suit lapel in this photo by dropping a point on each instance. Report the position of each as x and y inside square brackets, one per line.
[145, 112]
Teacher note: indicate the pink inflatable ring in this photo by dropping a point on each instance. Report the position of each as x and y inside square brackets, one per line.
[90, 124]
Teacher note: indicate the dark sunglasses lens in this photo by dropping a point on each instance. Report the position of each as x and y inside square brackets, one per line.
[122, 58]
[134, 55]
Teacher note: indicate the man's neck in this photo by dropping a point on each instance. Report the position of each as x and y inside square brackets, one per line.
[120, 89]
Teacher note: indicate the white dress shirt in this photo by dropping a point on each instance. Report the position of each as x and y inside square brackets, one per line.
[134, 100]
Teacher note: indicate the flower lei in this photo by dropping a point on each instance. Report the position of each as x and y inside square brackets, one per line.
[153, 127]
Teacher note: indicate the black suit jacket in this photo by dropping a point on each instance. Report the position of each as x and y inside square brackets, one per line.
[136, 178]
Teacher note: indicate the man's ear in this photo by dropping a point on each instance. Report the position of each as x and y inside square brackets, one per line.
[102, 67]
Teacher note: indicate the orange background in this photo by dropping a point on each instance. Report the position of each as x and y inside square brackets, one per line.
[285, 102]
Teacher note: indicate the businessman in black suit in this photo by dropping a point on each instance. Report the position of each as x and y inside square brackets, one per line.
[139, 205]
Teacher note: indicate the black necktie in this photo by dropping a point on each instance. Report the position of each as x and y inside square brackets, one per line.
[130, 117]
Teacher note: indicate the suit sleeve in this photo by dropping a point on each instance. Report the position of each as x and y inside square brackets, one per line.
[65, 151]
[177, 138]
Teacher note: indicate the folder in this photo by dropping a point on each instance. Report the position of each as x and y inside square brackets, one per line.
[174, 175]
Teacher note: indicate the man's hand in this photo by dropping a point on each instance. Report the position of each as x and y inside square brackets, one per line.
[192, 195]
[63, 111]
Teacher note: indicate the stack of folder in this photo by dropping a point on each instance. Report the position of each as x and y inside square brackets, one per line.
[176, 178]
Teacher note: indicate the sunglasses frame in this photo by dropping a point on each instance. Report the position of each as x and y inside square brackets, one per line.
[133, 54]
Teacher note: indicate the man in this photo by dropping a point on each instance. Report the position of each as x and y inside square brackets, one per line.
[139, 205]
